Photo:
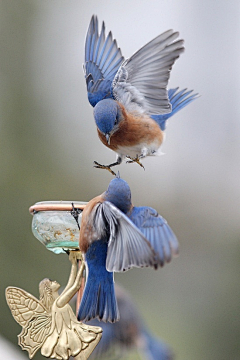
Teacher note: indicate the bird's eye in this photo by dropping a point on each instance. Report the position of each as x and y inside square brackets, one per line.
[115, 122]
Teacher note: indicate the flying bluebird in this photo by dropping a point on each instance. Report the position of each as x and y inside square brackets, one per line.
[114, 237]
[130, 97]
[128, 334]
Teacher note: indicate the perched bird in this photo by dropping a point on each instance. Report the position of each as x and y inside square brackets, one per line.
[130, 97]
[114, 237]
[129, 334]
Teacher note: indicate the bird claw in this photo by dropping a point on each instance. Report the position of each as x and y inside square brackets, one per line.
[136, 160]
[105, 167]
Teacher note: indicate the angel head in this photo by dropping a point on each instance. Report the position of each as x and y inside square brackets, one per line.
[48, 290]
[107, 115]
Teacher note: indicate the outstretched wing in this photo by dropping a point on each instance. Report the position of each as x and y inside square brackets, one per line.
[157, 231]
[102, 60]
[141, 81]
[32, 316]
[127, 246]
[23, 305]
[33, 336]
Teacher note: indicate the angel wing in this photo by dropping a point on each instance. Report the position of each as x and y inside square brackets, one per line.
[141, 81]
[32, 316]
[157, 231]
[102, 60]
[127, 246]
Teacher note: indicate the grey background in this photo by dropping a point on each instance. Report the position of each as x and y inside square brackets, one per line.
[49, 141]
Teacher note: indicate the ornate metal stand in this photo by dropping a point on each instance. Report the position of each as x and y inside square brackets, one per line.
[50, 323]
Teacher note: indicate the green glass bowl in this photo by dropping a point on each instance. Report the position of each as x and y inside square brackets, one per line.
[54, 225]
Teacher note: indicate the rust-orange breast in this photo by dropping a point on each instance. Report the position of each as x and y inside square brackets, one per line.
[133, 130]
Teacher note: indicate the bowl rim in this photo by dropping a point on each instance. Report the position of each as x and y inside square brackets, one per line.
[57, 206]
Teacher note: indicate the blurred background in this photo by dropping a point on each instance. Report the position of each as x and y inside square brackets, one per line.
[49, 142]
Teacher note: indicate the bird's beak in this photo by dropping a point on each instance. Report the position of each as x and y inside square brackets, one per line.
[108, 138]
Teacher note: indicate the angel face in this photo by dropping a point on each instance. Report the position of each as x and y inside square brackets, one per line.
[54, 285]
[107, 114]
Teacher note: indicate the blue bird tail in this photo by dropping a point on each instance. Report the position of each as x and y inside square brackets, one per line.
[156, 349]
[98, 299]
[178, 99]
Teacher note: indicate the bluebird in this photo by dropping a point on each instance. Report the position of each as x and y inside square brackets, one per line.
[129, 334]
[130, 97]
[114, 237]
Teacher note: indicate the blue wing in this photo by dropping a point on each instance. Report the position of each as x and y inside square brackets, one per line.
[178, 99]
[127, 246]
[157, 231]
[102, 60]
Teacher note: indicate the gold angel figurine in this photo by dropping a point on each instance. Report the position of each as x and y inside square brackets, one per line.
[50, 323]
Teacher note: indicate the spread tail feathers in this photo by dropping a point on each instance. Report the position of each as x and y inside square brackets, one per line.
[178, 99]
[98, 299]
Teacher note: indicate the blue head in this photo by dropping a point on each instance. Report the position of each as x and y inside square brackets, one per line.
[119, 194]
[107, 115]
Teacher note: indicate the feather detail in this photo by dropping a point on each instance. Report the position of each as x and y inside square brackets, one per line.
[157, 231]
[141, 81]
[178, 99]
[102, 60]
[127, 247]
[99, 299]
